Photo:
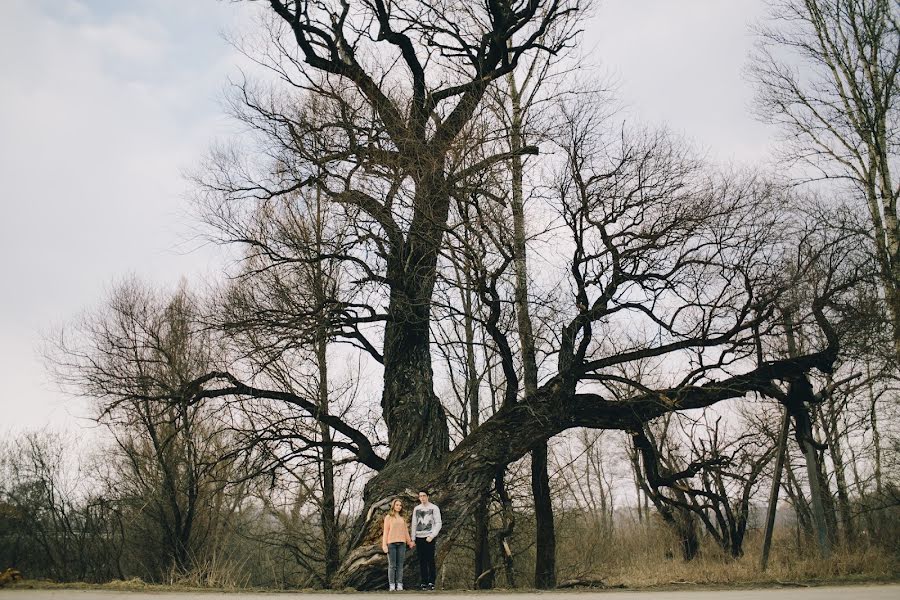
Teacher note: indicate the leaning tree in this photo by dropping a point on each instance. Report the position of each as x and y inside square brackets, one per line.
[659, 259]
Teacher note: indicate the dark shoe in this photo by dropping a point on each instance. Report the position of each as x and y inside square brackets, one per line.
[430, 587]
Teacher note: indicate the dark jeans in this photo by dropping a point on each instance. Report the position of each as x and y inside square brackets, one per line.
[396, 554]
[425, 552]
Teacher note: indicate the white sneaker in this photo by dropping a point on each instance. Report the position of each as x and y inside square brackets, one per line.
[399, 587]
[392, 587]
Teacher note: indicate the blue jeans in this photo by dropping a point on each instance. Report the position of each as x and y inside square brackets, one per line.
[396, 556]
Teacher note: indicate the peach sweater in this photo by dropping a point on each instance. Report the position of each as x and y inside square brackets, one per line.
[395, 530]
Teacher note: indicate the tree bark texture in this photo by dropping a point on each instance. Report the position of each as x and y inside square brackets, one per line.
[799, 398]
[417, 425]
[545, 535]
[484, 568]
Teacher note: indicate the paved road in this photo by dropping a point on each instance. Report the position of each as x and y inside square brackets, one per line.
[856, 592]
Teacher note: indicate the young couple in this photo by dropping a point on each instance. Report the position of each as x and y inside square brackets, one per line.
[426, 524]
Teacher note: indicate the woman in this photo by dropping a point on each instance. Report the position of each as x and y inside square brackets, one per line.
[394, 541]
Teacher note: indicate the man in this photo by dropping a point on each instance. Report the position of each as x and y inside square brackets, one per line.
[426, 524]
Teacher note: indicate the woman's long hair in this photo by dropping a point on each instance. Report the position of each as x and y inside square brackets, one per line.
[392, 512]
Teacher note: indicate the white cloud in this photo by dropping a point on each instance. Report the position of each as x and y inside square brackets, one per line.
[680, 64]
[130, 39]
[100, 114]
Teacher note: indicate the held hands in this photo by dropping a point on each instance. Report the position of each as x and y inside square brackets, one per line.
[411, 544]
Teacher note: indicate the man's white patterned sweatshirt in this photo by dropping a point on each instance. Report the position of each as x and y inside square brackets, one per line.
[426, 521]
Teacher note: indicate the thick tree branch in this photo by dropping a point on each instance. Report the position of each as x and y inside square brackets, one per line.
[363, 446]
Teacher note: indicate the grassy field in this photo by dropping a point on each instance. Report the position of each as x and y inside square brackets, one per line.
[635, 557]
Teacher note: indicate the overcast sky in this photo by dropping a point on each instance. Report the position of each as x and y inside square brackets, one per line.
[106, 102]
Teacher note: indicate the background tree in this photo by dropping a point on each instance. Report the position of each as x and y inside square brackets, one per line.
[136, 358]
[56, 517]
[838, 108]
[697, 473]
[282, 314]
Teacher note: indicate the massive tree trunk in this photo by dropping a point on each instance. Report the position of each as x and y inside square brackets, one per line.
[417, 427]
[416, 422]
[466, 473]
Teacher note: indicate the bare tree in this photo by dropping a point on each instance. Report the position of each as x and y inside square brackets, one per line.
[717, 476]
[57, 519]
[839, 107]
[283, 313]
[653, 472]
[136, 358]
[664, 259]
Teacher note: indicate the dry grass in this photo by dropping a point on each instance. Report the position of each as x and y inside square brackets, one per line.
[8, 576]
[642, 557]
[213, 572]
[636, 556]
[647, 556]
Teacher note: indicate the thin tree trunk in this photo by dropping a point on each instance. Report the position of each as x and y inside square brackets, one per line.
[329, 510]
[545, 540]
[640, 511]
[886, 244]
[876, 436]
[484, 568]
[484, 571]
[794, 491]
[776, 486]
[505, 534]
[832, 432]
[647, 506]
[831, 517]
[816, 494]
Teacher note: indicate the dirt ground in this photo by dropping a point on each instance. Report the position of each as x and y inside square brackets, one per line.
[854, 592]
